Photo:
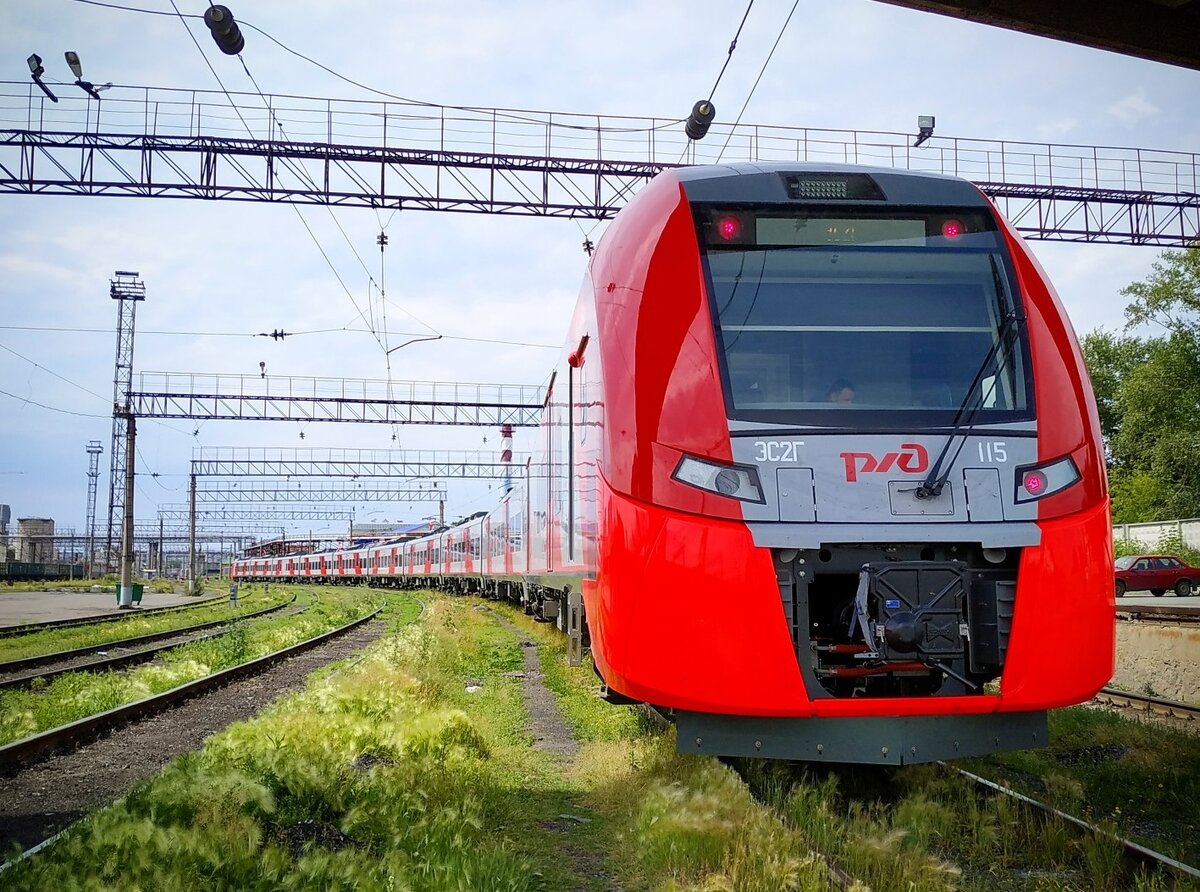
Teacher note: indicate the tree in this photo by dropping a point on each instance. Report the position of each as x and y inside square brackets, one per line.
[1170, 296]
[1110, 358]
[1148, 392]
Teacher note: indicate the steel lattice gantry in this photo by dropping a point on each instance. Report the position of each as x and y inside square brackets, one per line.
[268, 519]
[150, 533]
[236, 461]
[151, 142]
[251, 398]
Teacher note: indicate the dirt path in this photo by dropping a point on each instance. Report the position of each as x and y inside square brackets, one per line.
[551, 734]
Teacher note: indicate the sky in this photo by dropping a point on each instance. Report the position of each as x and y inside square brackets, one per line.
[218, 272]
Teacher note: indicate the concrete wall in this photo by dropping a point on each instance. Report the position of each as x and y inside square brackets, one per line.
[1149, 534]
[1159, 658]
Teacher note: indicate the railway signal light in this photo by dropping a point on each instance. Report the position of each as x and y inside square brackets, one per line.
[224, 29]
[701, 118]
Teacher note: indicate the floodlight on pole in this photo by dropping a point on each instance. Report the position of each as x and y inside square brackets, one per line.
[36, 70]
[924, 128]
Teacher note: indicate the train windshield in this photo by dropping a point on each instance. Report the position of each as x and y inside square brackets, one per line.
[821, 316]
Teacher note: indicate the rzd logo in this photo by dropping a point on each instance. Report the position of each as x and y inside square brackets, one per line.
[911, 459]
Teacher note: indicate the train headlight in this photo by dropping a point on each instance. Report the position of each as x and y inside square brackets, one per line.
[735, 481]
[1038, 481]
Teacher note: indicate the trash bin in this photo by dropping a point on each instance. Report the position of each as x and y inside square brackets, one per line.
[136, 598]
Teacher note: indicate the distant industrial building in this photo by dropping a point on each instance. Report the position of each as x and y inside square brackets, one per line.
[35, 540]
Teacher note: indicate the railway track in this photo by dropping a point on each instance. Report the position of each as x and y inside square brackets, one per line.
[72, 622]
[1185, 614]
[1153, 706]
[26, 750]
[1137, 854]
[75, 734]
[14, 674]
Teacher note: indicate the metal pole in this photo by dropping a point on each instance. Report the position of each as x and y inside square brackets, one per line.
[191, 573]
[506, 434]
[127, 527]
[93, 450]
[161, 562]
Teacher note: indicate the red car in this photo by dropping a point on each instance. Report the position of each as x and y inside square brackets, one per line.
[1156, 572]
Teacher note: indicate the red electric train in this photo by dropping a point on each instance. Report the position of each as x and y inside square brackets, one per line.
[820, 474]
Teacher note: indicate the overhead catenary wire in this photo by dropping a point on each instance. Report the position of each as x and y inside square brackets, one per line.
[246, 334]
[503, 114]
[729, 55]
[382, 340]
[762, 71]
[40, 405]
[249, 130]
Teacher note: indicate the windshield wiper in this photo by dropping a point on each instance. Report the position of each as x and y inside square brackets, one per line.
[933, 484]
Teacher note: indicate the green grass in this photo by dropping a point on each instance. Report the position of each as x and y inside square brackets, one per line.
[77, 695]
[390, 774]
[1140, 777]
[927, 828]
[51, 641]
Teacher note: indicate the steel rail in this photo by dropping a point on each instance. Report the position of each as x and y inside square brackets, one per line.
[1174, 613]
[1133, 850]
[12, 631]
[24, 751]
[122, 659]
[1152, 705]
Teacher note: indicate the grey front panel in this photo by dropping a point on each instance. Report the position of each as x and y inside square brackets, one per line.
[815, 535]
[797, 500]
[864, 487]
[985, 501]
[885, 740]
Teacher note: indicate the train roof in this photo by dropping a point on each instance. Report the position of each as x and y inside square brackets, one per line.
[776, 182]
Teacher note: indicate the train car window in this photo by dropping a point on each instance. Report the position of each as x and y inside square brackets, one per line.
[822, 319]
[516, 530]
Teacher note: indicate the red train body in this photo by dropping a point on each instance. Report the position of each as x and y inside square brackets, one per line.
[820, 473]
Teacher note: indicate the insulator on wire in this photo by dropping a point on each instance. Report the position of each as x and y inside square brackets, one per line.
[225, 30]
[700, 119]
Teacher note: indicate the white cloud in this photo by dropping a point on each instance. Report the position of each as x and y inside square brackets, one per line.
[1133, 108]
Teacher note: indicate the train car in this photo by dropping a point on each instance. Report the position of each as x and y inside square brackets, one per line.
[820, 473]
[825, 462]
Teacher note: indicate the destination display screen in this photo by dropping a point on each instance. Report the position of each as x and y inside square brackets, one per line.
[837, 231]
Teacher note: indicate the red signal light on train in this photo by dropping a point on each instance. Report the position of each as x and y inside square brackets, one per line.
[952, 228]
[729, 228]
[1034, 482]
